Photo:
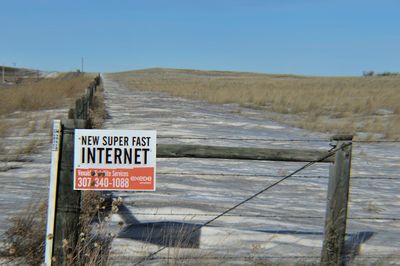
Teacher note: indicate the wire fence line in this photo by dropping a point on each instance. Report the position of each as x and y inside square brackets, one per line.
[241, 139]
[270, 176]
[216, 257]
[211, 217]
[307, 165]
[258, 216]
[254, 259]
[262, 260]
[272, 140]
[294, 174]
[212, 214]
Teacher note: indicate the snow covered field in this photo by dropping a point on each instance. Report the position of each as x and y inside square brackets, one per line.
[25, 161]
[284, 224]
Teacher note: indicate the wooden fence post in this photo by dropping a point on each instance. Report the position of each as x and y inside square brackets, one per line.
[84, 108]
[336, 210]
[68, 200]
[78, 108]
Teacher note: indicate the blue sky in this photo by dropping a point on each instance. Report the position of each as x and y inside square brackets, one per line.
[307, 37]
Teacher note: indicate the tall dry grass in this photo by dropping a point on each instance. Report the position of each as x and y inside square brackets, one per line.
[43, 93]
[339, 104]
[24, 239]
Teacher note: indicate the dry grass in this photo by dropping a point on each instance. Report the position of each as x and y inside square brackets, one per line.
[24, 241]
[94, 240]
[26, 235]
[335, 104]
[43, 93]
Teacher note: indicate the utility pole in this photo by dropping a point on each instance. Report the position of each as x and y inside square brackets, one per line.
[82, 64]
[3, 74]
[15, 72]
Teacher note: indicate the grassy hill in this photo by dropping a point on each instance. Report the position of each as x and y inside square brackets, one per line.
[366, 106]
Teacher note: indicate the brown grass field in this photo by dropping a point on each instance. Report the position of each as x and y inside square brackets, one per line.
[368, 107]
[33, 94]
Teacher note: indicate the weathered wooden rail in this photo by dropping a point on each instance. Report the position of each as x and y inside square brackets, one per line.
[236, 153]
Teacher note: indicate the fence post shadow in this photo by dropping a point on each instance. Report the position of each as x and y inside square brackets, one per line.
[352, 245]
[164, 233]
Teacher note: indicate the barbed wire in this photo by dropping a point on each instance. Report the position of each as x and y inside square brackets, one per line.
[261, 257]
[376, 141]
[207, 214]
[272, 140]
[241, 139]
[257, 216]
[216, 257]
[332, 152]
[374, 256]
[266, 175]
[123, 259]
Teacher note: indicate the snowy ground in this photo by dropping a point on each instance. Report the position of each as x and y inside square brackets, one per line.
[24, 161]
[285, 223]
